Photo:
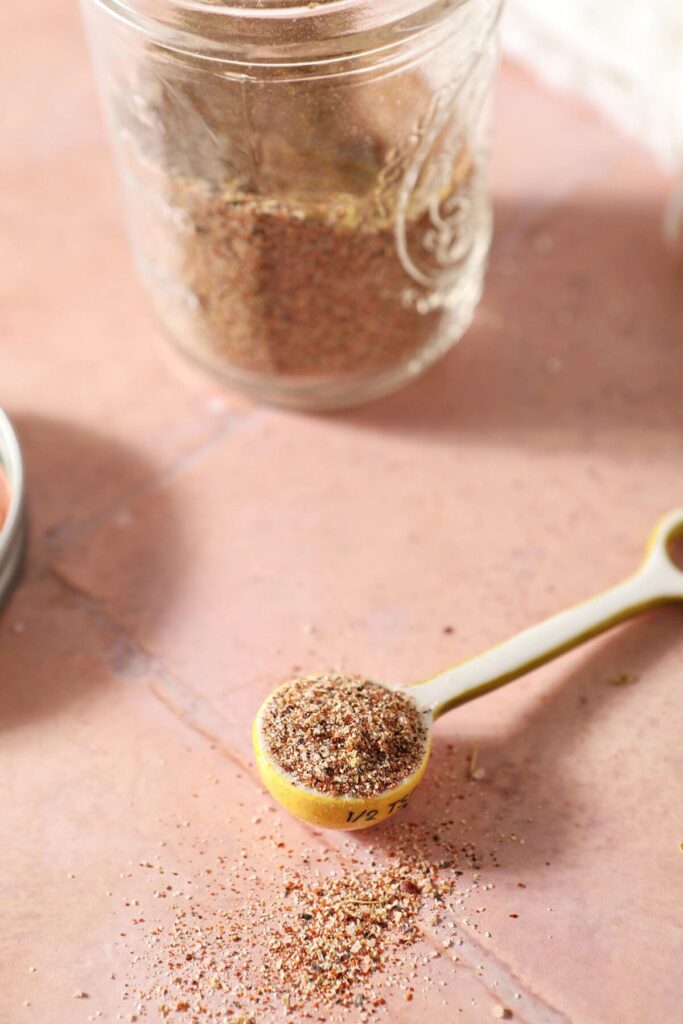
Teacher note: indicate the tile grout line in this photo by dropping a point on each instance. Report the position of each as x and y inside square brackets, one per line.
[499, 980]
[229, 424]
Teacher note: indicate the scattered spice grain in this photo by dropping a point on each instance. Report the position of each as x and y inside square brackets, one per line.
[472, 765]
[335, 939]
[344, 735]
[623, 679]
[334, 936]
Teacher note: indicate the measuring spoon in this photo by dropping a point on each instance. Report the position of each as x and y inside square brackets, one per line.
[658, 581]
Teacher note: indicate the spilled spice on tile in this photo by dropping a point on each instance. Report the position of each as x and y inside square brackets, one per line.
[323, 944]
[335, 938]
[253, 923]
[344, 735]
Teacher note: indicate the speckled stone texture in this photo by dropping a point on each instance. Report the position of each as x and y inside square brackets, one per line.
[188, 551]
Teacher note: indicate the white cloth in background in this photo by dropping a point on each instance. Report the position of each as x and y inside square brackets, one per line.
[625, 56]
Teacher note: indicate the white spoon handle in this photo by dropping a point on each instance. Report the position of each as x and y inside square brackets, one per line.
[658, 581]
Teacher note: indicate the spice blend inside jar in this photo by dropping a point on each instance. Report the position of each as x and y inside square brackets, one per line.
[343, 735]
[308, 212]
[285, 287]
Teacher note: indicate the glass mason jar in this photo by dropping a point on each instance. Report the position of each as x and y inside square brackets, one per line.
[304, 184]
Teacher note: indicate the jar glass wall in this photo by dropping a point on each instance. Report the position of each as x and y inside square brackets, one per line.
[304, 186]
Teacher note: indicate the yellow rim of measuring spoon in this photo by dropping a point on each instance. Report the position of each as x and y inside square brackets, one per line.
[340, 813]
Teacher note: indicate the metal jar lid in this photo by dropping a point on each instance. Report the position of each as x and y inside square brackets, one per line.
[12, 528]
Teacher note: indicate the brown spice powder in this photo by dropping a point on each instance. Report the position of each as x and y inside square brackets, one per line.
[343, 930]
[324, 945]
[272, 931]
[278, 288]
[344, 735]
[291, 269]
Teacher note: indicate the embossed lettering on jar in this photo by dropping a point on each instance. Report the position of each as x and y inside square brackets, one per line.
[305, 186]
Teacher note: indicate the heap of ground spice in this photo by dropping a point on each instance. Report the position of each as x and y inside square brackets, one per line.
[322, 947]
[344, 735]
[244, 926]
[327, 939]
[342, 931]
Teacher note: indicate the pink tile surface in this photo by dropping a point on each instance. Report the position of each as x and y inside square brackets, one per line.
[100, 406]
[107, 797]
[188, 551]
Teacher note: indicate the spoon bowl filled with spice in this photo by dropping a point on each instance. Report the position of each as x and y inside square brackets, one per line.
[343, 752]
[340, 751]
